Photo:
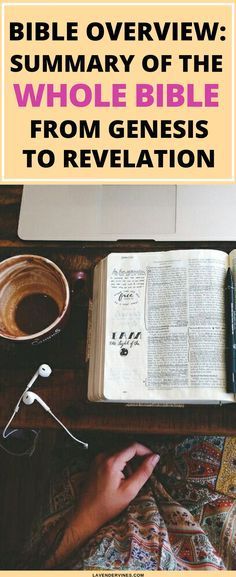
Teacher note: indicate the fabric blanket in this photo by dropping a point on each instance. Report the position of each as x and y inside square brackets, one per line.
[183, 519]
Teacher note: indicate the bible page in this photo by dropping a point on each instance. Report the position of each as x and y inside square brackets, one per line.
[165, 327]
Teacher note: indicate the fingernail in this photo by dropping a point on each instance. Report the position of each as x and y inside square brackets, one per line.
[155, 459]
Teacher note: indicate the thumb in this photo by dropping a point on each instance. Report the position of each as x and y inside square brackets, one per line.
[141, 475]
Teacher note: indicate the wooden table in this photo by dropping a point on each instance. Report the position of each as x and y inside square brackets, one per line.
[65, 391]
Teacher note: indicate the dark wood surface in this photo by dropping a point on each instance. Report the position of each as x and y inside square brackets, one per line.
[65, 390]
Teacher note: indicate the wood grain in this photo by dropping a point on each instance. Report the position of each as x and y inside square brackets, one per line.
[65, 391]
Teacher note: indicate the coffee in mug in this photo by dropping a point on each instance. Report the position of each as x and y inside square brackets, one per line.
[34, 299]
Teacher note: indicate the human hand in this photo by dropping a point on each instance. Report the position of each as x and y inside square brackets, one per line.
[106, 492]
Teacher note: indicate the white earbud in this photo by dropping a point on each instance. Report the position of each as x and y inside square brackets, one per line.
[29, 398]
[43, 371]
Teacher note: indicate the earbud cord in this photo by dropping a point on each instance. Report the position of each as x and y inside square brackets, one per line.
[28, 452]
[16, 409]
[67, 430]
[5, 434]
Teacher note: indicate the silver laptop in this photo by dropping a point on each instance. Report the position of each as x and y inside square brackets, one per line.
[115, 212]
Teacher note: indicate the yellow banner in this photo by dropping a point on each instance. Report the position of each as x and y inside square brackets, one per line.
[118, 92]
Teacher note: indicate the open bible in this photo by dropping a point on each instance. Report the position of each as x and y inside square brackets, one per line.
[158, 328]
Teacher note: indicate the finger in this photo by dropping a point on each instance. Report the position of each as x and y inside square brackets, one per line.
[136, 449]
[134, 483]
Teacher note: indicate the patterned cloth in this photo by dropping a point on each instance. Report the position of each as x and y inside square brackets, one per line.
[184, 518]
